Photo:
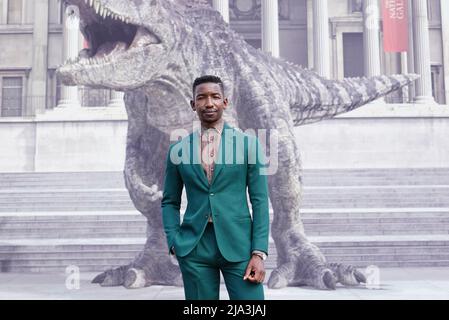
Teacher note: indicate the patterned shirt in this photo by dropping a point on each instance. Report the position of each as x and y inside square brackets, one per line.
[210, 143]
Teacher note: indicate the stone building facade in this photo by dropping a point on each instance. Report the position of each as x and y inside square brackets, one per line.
[32, 42]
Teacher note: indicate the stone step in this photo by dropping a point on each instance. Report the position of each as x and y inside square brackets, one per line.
[130, 251]
[136, 232]
[324, 213]
[78, 207]
[309, 223]
[102, 264]
[328, 198]
[368, 192]
[100, 268]
[59, 200]
[310, 177]
[75, 234]
[362, 243]
[341, 191]
[316, 222]
[271, 263]
[96, 253]
[430, 201]
[385, 250]
[360, 171]
[128, 205]
[34, 224]
[332, 179]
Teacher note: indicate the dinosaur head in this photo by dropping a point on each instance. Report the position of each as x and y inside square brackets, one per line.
[130, 42]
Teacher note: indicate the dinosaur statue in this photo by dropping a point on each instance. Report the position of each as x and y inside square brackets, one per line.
[153, 50]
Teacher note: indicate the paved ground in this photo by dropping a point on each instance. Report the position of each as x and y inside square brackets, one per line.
[395, 283]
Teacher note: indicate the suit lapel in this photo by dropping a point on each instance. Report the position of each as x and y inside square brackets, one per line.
[195, 158]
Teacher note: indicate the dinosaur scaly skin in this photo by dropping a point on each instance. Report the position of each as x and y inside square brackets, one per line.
[153, 50]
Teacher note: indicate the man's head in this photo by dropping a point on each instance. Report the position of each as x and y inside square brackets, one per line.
[209, 100]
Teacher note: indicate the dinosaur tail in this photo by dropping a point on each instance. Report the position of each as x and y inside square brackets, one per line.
[323, 99]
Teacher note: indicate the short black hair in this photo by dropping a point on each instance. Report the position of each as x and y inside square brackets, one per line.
[207, 79]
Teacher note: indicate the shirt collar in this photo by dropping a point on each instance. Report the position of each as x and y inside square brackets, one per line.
[217, 127]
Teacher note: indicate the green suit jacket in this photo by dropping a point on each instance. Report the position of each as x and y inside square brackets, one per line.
[238, 166]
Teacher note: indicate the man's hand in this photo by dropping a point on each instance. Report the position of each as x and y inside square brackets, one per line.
[255, 271]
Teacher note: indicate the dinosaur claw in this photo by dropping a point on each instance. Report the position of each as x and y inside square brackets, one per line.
[110, 281]
[329, 280]
[100, 278]
[359, 276]
[134, 279]
[347, 274]
[277, 280]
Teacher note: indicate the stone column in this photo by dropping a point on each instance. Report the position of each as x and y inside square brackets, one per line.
[371, 41]
[116, 99]
[321, 57]
[222, 6]
[310, 33]
[371, 48]
[69, 95]
[38, 84]
[410, 53]
[445, 35]
[270, 27]
[422, 52]
[404, 70]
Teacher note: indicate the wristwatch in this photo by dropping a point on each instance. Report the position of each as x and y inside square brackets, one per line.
[260, 254]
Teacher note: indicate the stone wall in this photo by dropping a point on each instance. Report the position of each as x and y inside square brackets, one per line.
[375, 136]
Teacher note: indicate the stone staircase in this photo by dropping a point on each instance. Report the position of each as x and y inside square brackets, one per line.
[386, 217]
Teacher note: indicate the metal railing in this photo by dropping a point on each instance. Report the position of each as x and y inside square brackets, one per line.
[22, 105]
[92, 98]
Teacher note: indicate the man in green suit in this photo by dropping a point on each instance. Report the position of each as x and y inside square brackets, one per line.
[217, 165]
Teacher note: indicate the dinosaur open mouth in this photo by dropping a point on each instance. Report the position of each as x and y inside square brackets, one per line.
[109, 34]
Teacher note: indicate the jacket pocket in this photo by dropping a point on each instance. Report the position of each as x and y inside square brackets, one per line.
[243, 218]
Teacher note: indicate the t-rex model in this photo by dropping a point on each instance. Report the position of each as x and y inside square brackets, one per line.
[153, 50]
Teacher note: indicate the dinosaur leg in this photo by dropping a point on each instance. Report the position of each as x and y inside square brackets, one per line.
[299, 262]
[144, 170]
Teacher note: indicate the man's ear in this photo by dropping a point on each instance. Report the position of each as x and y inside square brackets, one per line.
[225, 103]
[192, 104]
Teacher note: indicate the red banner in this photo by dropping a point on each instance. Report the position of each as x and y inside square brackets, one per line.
[395, 25]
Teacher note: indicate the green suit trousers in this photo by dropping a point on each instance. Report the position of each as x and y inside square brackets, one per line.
[201, 273]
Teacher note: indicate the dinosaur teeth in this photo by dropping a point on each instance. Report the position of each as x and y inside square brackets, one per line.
[97, 6]
[104, 12]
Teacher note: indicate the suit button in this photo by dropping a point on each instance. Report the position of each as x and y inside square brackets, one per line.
[212, 194]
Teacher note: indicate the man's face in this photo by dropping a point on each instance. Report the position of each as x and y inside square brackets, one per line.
[209, 102]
